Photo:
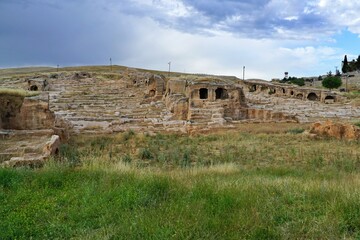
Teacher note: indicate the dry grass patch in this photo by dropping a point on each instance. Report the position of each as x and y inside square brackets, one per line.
[17, 92]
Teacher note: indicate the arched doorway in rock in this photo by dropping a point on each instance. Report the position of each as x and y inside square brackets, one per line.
[283, 90]
[292, 93]
[299, 96]
[221, 93]
[253, 88]
[312, 97]
[152, 93]
[34, 88]
[203, 93]
[329, 99]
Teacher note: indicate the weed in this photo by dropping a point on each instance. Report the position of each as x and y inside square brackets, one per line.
[128, 135]
[144, 153]
[126, 158]
[186, 160]
[17, 92]
[296, 131]
[69, 154]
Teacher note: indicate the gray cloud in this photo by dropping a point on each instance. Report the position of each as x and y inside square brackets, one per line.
[66, 34]
[210, 36]
[254, 19]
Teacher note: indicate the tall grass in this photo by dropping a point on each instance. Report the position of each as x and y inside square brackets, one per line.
[17, 92]
[218, 186]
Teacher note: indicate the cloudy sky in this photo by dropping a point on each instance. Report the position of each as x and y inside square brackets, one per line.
[268, 37]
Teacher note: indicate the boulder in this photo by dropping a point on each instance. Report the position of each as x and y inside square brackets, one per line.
[337, 130]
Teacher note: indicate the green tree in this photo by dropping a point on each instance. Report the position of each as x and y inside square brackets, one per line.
[331, 82]
[345, 65]
[358, 63]
[337, 73]
[298, 81]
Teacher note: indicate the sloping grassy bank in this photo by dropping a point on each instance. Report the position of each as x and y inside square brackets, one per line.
[213, 204]
[281, 186]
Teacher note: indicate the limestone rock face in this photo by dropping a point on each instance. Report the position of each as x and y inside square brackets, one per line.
[17, 112]
[40, 150]
[9, 107]
[33, 114]
[337, 130]
[52, 146]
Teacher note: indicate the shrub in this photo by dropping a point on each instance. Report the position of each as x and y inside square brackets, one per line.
[186, 160]
[69, 154]
[128, 134]
[145, 153]
[296, 130]
[331, 82]
[126, 158]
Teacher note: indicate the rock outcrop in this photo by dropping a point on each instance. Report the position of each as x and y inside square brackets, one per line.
[336, 130]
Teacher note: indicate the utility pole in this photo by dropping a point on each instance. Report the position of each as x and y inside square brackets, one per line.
[243, 73]
[57, 68]
[169, 67]
[111, 64]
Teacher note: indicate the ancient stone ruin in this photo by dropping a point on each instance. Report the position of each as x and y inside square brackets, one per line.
[81, 102]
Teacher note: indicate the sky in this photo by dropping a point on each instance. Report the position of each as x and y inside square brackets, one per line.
[268, 37]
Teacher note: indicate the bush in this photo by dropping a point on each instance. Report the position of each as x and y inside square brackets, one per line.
[128, 135]
[331, 82]
[69, 154]
[186, 160]
[296, 130]
[145, 153]
[126, 158]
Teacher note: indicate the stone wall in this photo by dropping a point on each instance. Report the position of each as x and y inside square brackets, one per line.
[290, 91]
[268, 115]
[205, 100]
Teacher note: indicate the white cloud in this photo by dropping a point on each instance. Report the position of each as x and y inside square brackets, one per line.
[214, 37]
[341, 14]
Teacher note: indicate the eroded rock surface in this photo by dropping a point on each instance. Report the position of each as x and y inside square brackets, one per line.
[96, 102]
[336, 130]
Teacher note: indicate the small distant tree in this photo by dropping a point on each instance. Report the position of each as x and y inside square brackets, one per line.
[338, 74]
[320, 78]
[298, 81]
[345, 65]
[329, 74]
[294, 80]
[331, 82]
[358, 63]
[352, 66]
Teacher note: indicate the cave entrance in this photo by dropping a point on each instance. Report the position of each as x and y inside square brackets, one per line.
[329, 99]
[204, 93]
[34, 88]
[221, 93]
[312, 97]
[152, 93]
[300, 96]
[253, 88]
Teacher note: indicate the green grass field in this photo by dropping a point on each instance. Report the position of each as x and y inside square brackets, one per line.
[230, 185]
